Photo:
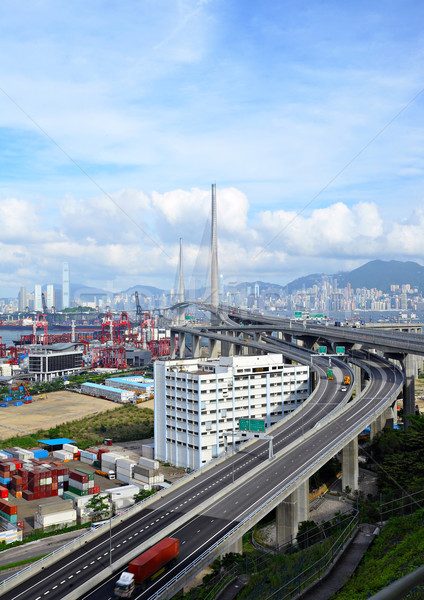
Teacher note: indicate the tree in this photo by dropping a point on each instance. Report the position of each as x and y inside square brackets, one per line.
[308, 533]
[143, 494]
[100, 506]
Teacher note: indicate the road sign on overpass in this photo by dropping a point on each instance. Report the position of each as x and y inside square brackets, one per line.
[251, 425]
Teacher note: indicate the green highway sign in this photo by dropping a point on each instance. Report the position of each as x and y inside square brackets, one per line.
[322, 350]
[316, 316]
[298, 315]
[251, 425]
[340, 349]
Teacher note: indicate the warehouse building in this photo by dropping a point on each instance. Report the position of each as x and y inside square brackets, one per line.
[108, 392]
[57, 360]
[198, 400]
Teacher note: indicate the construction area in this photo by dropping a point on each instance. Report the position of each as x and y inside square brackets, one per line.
[52, 409]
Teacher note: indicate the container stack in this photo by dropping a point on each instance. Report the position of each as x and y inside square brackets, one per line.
[147, 472]
[8, 511]
[109, 461]
[60, 514]
[124, 469]
[88, 457]
[81, 483]
[44, 481]
[16, 486]
[4, 473]
[21, 454]
[72, 449]
[63, 455]
[147, 477]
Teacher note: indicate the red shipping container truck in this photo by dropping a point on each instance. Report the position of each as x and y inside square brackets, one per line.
[146, 565]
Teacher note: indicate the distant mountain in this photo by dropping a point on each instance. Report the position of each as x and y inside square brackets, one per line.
[303, 283]
[144, 290]
[381, 274]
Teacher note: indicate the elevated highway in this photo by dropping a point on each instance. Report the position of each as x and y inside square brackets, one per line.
[211, 509]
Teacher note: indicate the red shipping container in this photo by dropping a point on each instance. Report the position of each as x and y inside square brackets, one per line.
[154, 559]
[80, 477]
[27, 495]
[96, 489]
[8, 508]
[20, 523]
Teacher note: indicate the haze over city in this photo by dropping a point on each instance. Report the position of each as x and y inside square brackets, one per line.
[116, 120]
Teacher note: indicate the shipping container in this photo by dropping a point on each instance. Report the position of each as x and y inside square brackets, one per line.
[154, 559]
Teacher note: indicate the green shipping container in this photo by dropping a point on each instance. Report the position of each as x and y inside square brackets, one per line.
[330, 374]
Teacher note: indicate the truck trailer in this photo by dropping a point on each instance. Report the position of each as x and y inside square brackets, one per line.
[147, 566]
[346, 380]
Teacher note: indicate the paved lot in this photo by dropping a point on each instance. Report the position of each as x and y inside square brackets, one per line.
[56, 408]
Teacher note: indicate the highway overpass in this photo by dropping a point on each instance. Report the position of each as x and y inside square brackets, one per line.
[210, 510]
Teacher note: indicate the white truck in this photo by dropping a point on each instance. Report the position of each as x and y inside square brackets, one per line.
[125, 585]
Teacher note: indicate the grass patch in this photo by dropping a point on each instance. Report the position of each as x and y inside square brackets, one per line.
[22, 562]
[124, 424]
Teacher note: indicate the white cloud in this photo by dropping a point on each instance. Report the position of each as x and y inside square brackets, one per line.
[102, 244]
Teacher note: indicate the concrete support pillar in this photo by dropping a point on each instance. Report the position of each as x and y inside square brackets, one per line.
[196, 345]
[291, 511]
[181, 351]
[227, 348]
[236, 547]
[303, 501]
[312, 380]
[409, 366]
[172, 345]
[388, 419]
[214, 346]
[357, 371]
[286, 522]
[350, 466]
[375, 427]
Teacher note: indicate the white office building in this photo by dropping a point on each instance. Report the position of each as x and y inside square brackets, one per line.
[197, 400]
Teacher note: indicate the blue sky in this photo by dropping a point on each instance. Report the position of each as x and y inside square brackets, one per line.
[141, 106]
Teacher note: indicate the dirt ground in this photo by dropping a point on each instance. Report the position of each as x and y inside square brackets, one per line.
[54, 409]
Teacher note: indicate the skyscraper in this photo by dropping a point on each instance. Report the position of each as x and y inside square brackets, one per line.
[22, 298]
[50, 296]
[65, 286]
[38, 303]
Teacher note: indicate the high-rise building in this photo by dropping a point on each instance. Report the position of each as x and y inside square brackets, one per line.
[65, 286]
[50, 296]
[198, 400]
[22, 299]
[38, 302]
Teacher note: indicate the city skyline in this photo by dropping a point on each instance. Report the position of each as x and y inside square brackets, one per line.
[116, 121]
